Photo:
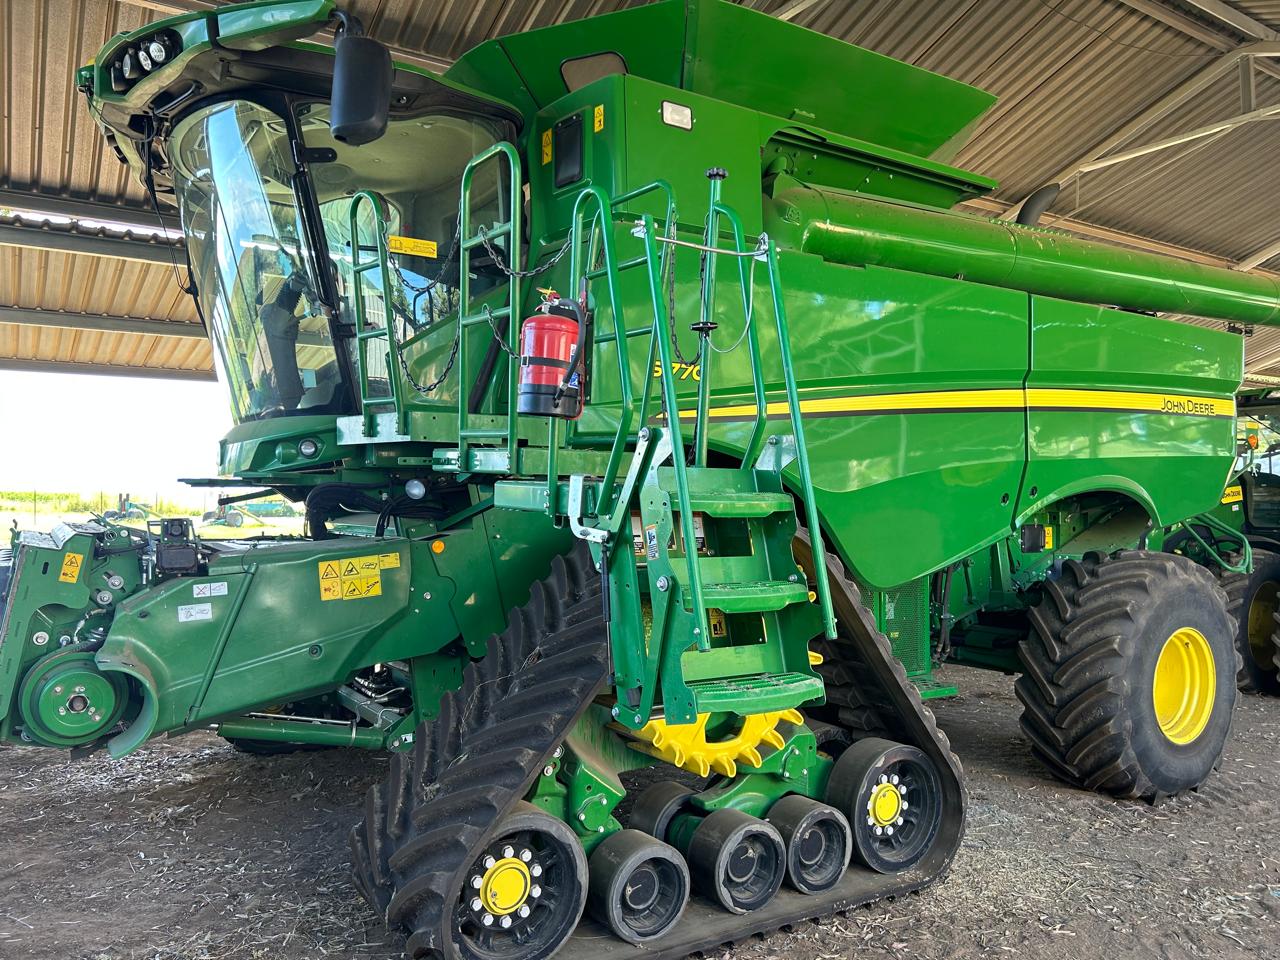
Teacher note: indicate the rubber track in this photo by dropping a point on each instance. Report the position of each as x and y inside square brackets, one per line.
[428, 823]
[1073, 687]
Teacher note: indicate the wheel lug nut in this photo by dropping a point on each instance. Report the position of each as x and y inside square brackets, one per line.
[524, 912]
[535, 891]
[487, 919]
[904, 804]
[536, 870]
[508, 852]
[871, 821]
[900, 821]
[879, 831]
[889, 831]
[526, 855]
[883, 778]
[477, 882]
[506, 922]
[476, 905]
[894, 779]
[489, 862]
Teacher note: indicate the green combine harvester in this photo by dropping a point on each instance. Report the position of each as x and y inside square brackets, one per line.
[644, 397]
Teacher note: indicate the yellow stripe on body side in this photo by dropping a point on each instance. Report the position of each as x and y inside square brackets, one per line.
[959, 401]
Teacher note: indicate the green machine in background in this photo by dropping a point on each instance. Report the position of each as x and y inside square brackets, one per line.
[644, 398]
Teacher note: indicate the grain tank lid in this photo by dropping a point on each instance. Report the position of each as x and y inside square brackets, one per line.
[757, 61]
[746, 58]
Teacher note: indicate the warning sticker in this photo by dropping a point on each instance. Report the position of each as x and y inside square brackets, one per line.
[719, 626]
[412, 247]
[599, 118]
[546, 147]
[71, 564]
[195, 611]
[355, 577]
[215, 589]
[651, 540]
[1048, 538]
[1233, 494]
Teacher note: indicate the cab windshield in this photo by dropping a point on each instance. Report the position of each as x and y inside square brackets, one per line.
[252, 263]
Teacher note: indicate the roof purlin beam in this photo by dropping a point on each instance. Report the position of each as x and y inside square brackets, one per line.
[103, 369]
[95, 245]
[1235, 19]
[102, 323]
[95, 210]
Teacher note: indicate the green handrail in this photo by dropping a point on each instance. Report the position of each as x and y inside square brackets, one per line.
[511, 229]
[802, 452]
[662, 334]
[579, 277]
[364, 332]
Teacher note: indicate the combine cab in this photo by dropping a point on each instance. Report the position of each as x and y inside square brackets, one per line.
[632, 395]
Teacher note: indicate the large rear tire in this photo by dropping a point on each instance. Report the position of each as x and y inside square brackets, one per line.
[1253, 600]
[1130, 674]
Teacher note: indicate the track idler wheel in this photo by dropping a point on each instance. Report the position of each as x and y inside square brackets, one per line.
[893, 798]
[524, 895]
[737, 860]
[657, 806]
[818, 840]
[639, 886]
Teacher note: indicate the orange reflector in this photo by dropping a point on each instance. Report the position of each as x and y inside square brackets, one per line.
[437, 546]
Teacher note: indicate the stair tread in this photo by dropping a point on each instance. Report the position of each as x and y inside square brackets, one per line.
[757, 693]
[741, 503]
[749, 596]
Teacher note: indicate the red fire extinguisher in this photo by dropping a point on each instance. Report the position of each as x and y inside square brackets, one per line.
[552, 372]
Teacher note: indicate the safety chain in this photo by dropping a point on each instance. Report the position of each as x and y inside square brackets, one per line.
[434, 384]
[522, 274]
[488, 314]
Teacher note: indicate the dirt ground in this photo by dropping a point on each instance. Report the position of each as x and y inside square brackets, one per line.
[191, 851]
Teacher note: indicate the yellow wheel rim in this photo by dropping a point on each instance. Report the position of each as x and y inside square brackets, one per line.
[1184, 686]
[885, 805]
[505, 886]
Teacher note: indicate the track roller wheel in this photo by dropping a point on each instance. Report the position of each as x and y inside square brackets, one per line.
[524, 895]
[818, 842]
[655, 808]
[639, 886]
[737, 860]
[892, 796]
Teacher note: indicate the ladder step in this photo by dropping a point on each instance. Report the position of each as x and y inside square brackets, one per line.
[754, 596]
[750, 504]
[761, 693]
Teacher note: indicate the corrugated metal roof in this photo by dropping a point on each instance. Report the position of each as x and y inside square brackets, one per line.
[1068, 74]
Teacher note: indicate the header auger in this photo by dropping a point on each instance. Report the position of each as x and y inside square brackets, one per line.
[649, 414]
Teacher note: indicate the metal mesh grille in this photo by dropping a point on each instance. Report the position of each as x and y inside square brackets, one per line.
[903, 614]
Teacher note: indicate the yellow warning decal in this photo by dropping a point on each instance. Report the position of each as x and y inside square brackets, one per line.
[354, 578]
[1048, 538]
[412, 247]
[1233, 494]
[716, 620]
[71, 564]
[598, 119]
[546, 147]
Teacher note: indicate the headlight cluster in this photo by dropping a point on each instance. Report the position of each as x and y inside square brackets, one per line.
[135, 61]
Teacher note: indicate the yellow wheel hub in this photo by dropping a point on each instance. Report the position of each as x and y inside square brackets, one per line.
[885, 805]
[505, 886]
[1185, 685]
[687, 747]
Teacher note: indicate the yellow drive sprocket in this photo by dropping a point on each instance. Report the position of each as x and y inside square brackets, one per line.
[687, 747]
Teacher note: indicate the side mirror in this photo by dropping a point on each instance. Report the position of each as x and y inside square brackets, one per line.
[360, 100]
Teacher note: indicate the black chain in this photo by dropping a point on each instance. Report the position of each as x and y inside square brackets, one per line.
[522, 274]
[434, 384]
